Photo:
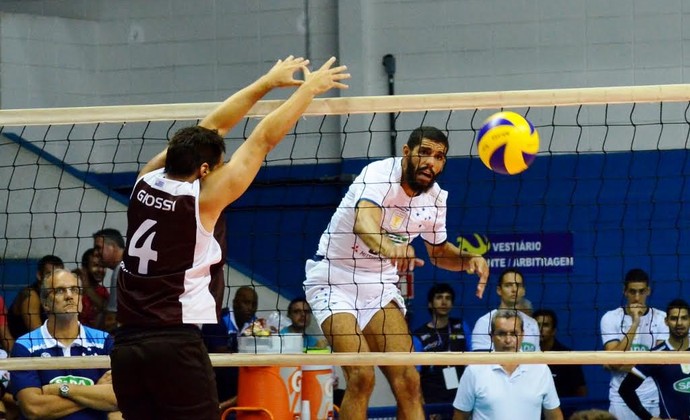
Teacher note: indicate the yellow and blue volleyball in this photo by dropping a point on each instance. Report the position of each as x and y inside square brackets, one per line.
[507, 143]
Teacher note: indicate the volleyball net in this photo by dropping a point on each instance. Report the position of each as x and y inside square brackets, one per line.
[609, 191]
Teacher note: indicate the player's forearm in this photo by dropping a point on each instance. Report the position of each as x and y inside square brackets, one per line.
[626, 343]
[369, 231]
[234, 108]
[449, 257]
[271, 130]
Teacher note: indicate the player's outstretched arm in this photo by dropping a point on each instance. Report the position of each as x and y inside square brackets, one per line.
[450, 257]
[225, 184]
[234, 108]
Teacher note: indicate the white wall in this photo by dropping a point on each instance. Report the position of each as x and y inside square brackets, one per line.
[180, 51]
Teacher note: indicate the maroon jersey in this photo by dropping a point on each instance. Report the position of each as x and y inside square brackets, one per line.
[166, 269]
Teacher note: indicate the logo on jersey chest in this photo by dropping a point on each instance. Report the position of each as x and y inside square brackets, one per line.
[398, 219]
[682, 385]
[72, 380]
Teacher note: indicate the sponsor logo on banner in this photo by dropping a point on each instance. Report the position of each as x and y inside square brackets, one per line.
[528, 252]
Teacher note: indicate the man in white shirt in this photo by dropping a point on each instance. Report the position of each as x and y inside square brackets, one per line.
[508, 391]
[511, 290]
[635, 327]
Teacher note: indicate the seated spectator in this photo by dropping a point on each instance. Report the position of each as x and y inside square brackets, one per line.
[636, 326]
[94, 294]
[511, 290]
[26, 312]
[569, 379]
[441, 333]
[299, 313]
[6, 338]
[508, 390]
[222, 338]
[83, 393]
[671, 379]
[524, 305]
[110, 248]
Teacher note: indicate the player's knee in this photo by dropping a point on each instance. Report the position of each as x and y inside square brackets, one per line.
[361, 379]
[406, 384]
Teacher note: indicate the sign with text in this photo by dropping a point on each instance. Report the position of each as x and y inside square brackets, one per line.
[528, 252]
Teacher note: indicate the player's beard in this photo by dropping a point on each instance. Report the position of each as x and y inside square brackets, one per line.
[411, 179]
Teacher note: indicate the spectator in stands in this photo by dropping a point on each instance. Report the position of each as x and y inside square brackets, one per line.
[26, 312]
[508, 390]
[222, 338]
[94, 294]
[673, 380]
[299, 313]
[110, 247]
[569, 379]
[511, 290]
[525, 306]
[633, 327]
[6, 338]
[63, 393]
[441, 333]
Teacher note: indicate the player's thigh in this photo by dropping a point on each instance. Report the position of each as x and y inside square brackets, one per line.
[193, 369]
[388, 331]
[344, 334]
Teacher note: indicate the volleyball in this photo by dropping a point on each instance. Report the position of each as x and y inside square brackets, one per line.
[507, 143]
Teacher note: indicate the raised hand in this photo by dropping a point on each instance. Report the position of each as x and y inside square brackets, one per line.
[479, 266]
[282, 74]
[326, 78]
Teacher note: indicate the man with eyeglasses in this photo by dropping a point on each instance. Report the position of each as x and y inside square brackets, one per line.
[82, 393]
[509, 390]
[633, 327]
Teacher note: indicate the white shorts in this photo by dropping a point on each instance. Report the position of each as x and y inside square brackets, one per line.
[362, 299]
[622, 412]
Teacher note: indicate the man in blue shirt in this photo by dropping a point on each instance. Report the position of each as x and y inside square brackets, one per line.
[673, 381]
[74, 394]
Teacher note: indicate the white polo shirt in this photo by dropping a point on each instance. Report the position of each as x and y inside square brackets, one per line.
[490, 393]
[481, 334]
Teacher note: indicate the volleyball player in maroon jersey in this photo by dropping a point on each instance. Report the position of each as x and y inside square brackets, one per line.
[161, 368]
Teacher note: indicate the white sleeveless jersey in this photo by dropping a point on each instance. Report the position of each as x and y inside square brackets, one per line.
[614, 325]
[404, 218]
[165, 274]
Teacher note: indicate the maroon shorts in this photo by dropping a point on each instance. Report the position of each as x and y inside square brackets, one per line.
[163, 373]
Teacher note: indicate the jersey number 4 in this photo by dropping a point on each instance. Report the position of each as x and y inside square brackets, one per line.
[145, 252]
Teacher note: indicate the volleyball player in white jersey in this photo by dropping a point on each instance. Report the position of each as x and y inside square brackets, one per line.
[161, 368]
[634, 327]
[351, 281]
